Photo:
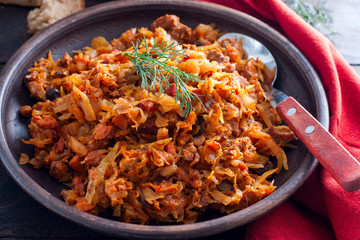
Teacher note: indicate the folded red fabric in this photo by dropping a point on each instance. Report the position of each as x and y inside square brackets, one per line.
[321, 209]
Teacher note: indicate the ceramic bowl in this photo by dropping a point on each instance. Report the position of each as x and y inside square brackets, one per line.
[296, 77]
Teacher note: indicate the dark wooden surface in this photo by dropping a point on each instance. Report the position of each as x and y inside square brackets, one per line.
[21, 217]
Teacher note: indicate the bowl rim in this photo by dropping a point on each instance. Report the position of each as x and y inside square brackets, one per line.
[111, 227]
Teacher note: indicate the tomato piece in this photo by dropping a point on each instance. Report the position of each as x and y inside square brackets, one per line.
[147, 105]
[75, 163]
[171, 91]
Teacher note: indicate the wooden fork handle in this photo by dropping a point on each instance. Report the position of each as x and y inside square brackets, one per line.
[327, 150]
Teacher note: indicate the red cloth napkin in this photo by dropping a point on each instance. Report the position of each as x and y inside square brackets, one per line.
[321, 209]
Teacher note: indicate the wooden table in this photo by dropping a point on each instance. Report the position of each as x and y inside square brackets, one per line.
[21, 216]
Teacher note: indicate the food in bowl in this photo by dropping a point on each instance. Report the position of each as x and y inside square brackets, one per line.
[159, 124]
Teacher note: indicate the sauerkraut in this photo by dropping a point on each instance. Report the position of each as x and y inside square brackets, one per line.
[132, 151]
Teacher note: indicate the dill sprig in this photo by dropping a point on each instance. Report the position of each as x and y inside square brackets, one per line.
[314, 13]
[151, 64]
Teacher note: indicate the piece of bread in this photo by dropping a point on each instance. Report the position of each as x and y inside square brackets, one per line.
[31, 3]
[51, 11]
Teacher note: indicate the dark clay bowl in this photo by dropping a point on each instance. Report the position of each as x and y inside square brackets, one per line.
[296, 77]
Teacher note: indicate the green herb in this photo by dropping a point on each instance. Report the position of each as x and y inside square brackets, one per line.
[155, 72]
[314, 13]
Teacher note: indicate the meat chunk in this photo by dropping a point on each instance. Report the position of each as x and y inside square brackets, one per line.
[120, 121]
[218, 56]
[229, 42]
[170, 148]
[172, 25]
[233, 49]
[235, 127]
[166, 22]
[26, 111]
[94, 158]
[148, 127]
[229, 68]
[45, 122]
[188, 156]
[58, 169]
[102, 132]
[78, 186]
[282, 135]
[59, 146]
[37, 90]
[199, 140]
[267, 167]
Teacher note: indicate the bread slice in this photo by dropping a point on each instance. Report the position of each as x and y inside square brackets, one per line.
[31, 3]
[51, 11]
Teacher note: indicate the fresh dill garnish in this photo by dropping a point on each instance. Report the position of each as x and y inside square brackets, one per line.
[314, 13]
[151, 64]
